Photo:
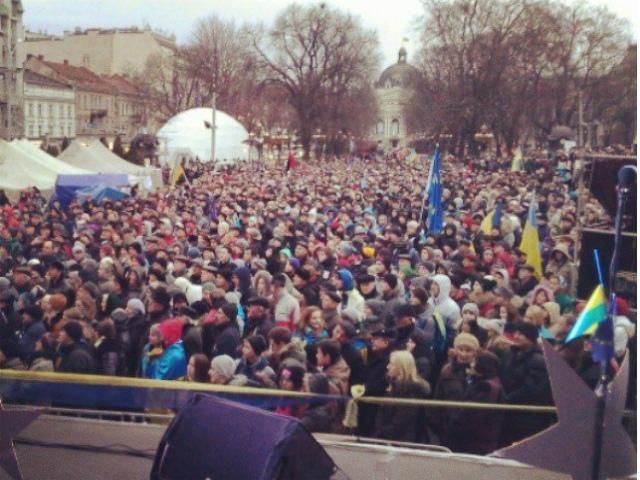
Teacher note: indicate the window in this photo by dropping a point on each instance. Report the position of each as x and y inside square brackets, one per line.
[32, 130]
[39, 110]
[30, 109]
[69, 115]
[50, 111]
[395, 127]
[380, 127]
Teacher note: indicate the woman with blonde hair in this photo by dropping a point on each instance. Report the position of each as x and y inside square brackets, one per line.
[403, 423]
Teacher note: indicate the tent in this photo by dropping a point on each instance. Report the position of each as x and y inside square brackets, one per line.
[213, 438]
[47, 161]
[79, 155]
[93, 158]
[20, 171]
[68, 186]
[188, 131]
[107, 156]
[100, 193]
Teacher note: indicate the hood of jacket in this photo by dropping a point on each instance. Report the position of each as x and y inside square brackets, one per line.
[444, 285]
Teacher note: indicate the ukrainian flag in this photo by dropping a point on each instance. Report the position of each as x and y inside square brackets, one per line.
[593, 315]
[177, 174]
[530, 243]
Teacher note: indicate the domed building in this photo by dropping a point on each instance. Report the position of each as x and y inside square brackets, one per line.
[393, 91]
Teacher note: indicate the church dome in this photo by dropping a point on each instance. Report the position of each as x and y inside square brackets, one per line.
[400, 74]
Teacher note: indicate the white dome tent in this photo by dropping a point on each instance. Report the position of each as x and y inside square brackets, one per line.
[188, 132]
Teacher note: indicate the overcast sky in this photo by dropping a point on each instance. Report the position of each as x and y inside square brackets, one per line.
[393, 19]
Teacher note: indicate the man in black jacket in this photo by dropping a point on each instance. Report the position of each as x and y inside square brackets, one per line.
[225, 334]
[525, 382]
[375, 383]
[258, 320]
[76, 356]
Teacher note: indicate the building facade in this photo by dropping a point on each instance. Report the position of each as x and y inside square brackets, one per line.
[49, 108]
[11, 74]
[105, 106]
[393, 92]
[118, 51]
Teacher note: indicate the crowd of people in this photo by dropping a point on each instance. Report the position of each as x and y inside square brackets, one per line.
[322, 280]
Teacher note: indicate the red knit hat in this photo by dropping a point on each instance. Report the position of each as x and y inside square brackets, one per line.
[171, 330]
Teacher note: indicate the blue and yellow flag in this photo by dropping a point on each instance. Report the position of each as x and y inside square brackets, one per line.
[177, 174]
[530, 243]
[594, 313]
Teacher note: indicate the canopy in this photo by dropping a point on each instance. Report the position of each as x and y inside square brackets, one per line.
[47, 161]
[68, 186]
[96, 158]
[188, 131]
[20, 171]
[123, 166]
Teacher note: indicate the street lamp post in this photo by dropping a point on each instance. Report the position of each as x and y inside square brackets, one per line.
[8, 79]
[213, 128]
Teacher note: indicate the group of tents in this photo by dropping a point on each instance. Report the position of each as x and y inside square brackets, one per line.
[81, 166]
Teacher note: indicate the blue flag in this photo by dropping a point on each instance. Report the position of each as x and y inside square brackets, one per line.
[497, 216]
[436, 210]
[602, 340]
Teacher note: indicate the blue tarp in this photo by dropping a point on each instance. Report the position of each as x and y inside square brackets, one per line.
[67, 186]
[99, 194]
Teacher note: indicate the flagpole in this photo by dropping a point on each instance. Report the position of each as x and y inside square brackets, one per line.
[602, 387]
[426, 188]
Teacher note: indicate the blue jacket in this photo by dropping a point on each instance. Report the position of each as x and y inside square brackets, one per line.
[171, 365]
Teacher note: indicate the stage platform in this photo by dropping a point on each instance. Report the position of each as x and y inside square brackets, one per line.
[67, 452]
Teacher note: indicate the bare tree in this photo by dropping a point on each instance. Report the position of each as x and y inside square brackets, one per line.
[516, 66]
[323, 59]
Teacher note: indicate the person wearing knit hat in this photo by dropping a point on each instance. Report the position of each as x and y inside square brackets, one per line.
[136, 305]
[222, 369]
[467, 343]
[172, 362]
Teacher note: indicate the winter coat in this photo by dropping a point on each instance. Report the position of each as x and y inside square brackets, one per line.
[443, 305]
[41, 364]
[403, 423]
[452, 383]
[287, 311]
[227, 340]
[338, 376]
[375, 385]
[425, 320]
[109, 357]
[250, 371]
[77, 358]
[28, 337]
[392, 300]
[258, 326]
[477, 431]
[318, 418]
[525, 382]
[354, 360]
[171, 365]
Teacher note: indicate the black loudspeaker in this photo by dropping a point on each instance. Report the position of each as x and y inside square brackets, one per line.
[217, 439]
[626, 283]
